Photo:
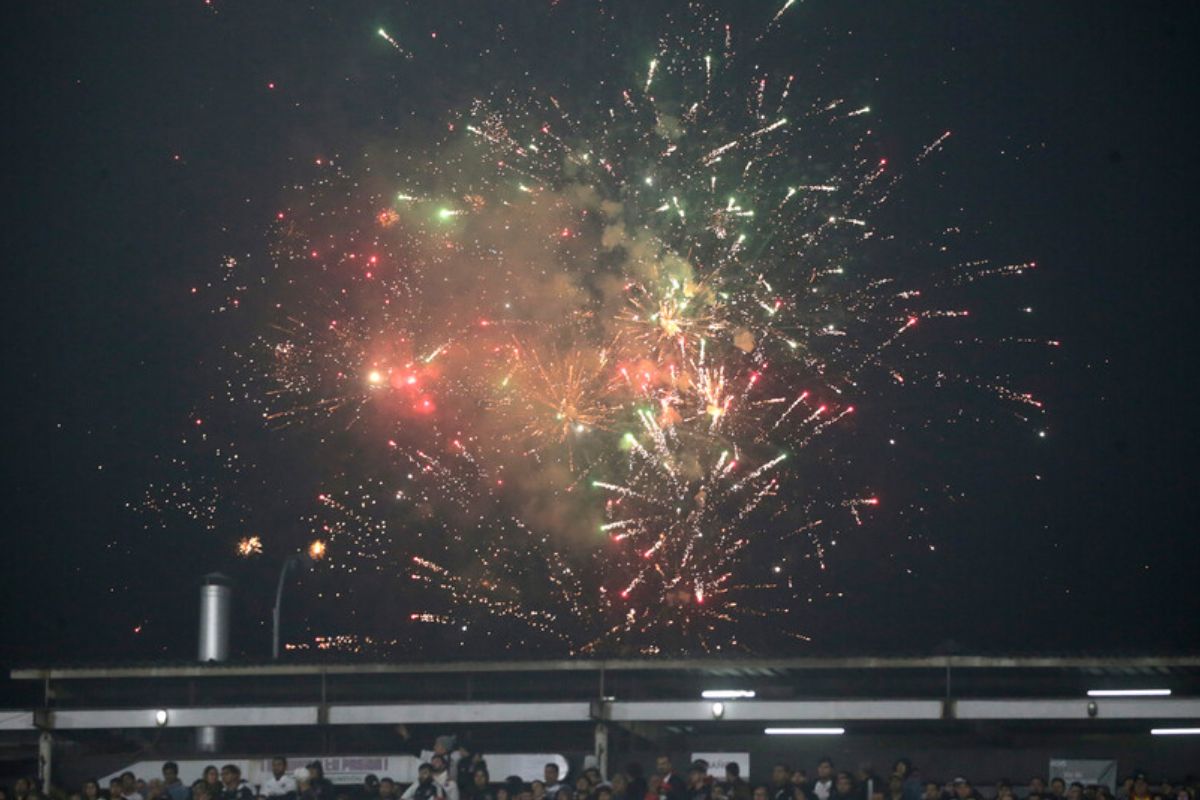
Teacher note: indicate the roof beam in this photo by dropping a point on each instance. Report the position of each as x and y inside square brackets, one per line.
[465, 712]
[774, 711]
[224, 716]
[700, 665]
[16, 721]
[622, 712]
[1017, 709]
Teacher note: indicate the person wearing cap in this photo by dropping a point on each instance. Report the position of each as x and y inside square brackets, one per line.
[442, 746]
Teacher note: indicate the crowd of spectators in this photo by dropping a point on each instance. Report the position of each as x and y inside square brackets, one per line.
[456, 774]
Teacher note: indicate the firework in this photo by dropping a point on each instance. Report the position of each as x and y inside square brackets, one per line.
[250, 546]
[572, 364]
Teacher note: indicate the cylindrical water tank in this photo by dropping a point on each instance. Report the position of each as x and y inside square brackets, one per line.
[216, 600]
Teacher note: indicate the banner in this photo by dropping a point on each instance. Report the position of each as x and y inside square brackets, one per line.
[717, 762]
[1089, 772]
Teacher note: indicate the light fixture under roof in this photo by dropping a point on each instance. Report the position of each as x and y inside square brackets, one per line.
[1129, 692]
[1175, 731]
[727, 694]
[804, 731]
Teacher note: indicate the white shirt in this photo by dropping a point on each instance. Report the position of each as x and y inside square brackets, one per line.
[449, 786]
[277, 787]
[822, 788]
[411, 791]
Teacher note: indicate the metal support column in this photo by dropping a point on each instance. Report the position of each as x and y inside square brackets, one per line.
[45, 760]
[601, 749]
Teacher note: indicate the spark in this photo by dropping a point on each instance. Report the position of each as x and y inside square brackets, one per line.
[250, 546]
[387, 37]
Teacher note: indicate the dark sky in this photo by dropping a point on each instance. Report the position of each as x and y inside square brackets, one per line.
[1071, 147]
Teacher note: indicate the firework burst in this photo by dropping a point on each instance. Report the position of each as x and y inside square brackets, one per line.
[589, 344]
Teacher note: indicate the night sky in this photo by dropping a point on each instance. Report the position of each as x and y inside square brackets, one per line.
[150, 140]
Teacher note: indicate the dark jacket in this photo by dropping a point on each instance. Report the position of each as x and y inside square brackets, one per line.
[674, 788]
[428, 790]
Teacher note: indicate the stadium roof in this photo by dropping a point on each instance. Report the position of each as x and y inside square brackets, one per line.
[637, 690]
[712, 665]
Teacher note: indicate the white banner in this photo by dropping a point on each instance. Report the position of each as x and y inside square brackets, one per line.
[1089, 772]
[348, 770]
[717, 762]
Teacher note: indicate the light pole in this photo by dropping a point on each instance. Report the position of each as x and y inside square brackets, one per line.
[301, 561]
